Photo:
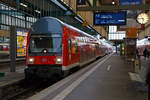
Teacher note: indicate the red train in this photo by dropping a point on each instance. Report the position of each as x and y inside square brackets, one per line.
[142, 44]
[53, 48]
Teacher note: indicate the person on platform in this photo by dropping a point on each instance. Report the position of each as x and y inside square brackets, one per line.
[137, 53]
[145, 53]
[148, 53]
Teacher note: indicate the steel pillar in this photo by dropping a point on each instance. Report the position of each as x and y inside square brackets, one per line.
[13, 48]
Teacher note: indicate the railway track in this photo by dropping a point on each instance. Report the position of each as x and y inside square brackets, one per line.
[22, 89]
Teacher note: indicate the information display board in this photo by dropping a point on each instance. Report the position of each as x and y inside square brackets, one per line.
[110, 18]
[130, 2]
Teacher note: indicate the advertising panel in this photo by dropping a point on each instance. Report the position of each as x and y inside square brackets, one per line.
[21, 42]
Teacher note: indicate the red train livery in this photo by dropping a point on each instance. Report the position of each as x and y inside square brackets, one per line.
[53, 48]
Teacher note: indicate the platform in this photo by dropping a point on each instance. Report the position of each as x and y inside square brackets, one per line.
[109, 79]
[8, 60]
[11, 77]
[8, 77]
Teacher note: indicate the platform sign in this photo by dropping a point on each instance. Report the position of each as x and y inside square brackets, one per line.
[130, 2]
[131, 32]
[110, 18]
[81, 2]
[85, 23]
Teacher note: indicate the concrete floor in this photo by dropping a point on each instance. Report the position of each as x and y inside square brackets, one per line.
[110, 81]
[105, 79]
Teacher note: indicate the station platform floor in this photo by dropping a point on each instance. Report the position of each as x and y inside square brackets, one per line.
[8, 77]
[7, 60]
[109, 79]
[11, 77]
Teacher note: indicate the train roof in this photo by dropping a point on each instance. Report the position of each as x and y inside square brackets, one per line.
[42, 26]
[56, 26]
[144, 41]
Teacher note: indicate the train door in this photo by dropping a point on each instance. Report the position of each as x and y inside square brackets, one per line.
[69, 51]
[82, 56]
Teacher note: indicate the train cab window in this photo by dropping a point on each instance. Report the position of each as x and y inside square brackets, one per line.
[50, 43]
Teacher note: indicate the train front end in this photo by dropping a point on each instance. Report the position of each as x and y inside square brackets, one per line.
[44, 49]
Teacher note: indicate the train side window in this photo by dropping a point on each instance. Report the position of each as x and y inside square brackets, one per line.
[77, 47]
[69, 43]
[1, 39]
[6, 39]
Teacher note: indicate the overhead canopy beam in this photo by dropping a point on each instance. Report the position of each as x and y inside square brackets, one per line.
[89, 3]
[111, 8]
[94, 3]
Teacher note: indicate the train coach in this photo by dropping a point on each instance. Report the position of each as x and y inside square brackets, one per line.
[53, 48]
[142, 45]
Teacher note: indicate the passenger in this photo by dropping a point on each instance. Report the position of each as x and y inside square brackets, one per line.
[145, 53]
[137, 53]
[148, 53]
[147, 78]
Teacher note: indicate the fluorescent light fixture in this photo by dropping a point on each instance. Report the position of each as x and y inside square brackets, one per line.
[22, 4]
[89, 27]
[113, 2]
[78, 19]
[68, 13]
[37, 11]
[60, 5]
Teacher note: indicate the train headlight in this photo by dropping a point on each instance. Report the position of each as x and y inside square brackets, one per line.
[59, 60]
[30, 60]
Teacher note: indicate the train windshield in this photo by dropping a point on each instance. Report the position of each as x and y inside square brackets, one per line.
[45, 44]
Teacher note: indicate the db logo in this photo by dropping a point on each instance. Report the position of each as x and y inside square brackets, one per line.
[44, 60]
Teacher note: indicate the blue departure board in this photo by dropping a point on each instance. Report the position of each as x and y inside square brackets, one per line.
[110, 18]
[130, 2]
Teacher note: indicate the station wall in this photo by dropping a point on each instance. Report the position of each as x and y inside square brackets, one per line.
[87, 15]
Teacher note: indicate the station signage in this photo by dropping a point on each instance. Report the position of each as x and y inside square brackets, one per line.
[130, 2]
[81, 2]
[110, 18]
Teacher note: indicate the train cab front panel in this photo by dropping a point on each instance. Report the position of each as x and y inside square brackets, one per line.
[45, 48]
[45, 60]
[54, 47]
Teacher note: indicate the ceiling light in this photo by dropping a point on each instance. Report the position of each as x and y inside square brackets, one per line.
[37, 11]
[22, 4]
[113, 2]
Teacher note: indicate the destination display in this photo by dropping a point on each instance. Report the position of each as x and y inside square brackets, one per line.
[110, 18]
[130, 2]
